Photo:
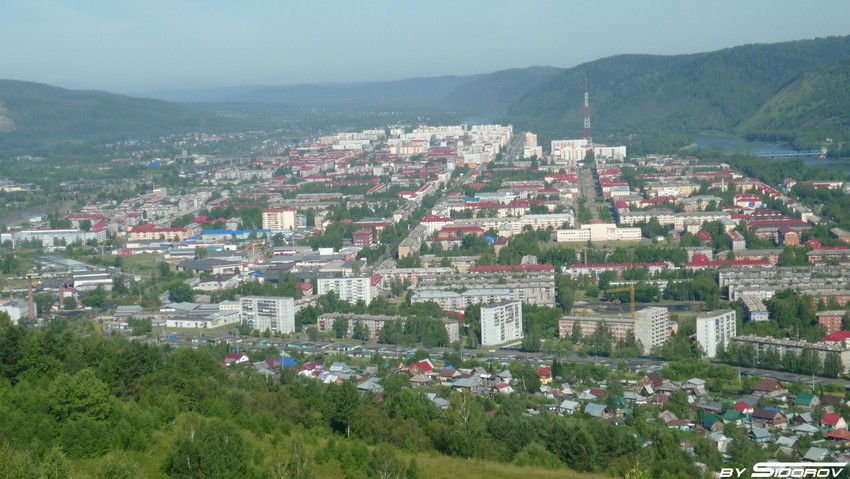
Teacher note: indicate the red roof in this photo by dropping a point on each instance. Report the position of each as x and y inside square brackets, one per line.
[841, 434]
[741, 407]
[435, 219]
[544, 372]
[512, 267]
[831, 419]
[617, 265]
[703, 235]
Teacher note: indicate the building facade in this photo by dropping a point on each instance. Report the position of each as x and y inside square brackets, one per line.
[269, 313]
[715, 329]
[351, 289]
[651, 327]
[279, 219]
[501, 322]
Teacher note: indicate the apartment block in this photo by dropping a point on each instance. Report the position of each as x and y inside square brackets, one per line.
[651, 327]
[716, 329]
[501, 322]
[279, 219]
[375, 322]
[351, 289]
[269, 313]
[619, 328]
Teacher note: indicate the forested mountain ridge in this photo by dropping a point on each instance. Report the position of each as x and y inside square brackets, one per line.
[681, 93]
[34, 115]
[814, 106]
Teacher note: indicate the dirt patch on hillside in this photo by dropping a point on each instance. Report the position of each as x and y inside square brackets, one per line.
[6, 123]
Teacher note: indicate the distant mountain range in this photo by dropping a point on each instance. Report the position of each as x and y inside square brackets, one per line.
[793, 91]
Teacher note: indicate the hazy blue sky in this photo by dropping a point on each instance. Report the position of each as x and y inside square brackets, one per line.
[142, 45]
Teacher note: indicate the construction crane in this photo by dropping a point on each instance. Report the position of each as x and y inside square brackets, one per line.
[631, 290]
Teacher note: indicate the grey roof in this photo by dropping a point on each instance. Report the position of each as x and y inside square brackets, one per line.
[370, 384]
[760, 432]
[816, 454]
[595, 410]
[805, 429]
[470, 382]
[567, 404]
[338, 366]
[787, 441]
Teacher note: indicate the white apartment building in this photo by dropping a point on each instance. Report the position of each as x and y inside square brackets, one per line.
[651, 327]
[268, 312]
[351, 289]
[279, 219]
[716, 328]
[501, 322]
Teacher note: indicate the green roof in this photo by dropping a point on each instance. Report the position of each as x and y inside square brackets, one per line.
[732, 415]
[708, 420]
[804, 399]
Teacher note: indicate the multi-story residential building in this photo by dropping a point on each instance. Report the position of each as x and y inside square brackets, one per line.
[501, 322]
[529, 283]
[374, 322]
[830, 321]
[279, 219]
[152, 232]
[269, 313]
[651, 327]
[351, 289]
[715, 329]
[822, 349]
[819, 282]
[619, 328]
[594, 269]
[50, 238]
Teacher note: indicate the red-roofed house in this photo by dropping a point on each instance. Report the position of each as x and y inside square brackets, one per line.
[231, 359]
[839, 435]
[744, 408]
[832, 421]
[545, 375]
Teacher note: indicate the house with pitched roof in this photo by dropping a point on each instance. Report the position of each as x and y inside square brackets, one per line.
[769, 418]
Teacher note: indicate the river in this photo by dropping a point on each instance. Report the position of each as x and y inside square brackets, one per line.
[734, 145]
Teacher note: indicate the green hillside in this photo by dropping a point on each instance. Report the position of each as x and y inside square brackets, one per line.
[682, 93]
[38, 117]
[813, 107]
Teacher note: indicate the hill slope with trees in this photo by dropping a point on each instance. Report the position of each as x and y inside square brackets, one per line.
[36, 117]
[682, 93]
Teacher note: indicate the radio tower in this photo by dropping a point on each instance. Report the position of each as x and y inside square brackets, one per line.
[587, 135]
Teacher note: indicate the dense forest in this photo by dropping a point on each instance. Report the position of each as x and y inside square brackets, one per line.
[75, 405]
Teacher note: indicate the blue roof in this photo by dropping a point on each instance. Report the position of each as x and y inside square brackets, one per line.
[234, 232]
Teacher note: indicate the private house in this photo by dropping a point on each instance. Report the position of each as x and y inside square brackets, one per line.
[832, 421]
[770, 388]
[759, 435]
[768, 418]
[806, 400]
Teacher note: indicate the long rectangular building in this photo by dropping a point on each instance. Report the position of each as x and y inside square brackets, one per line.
[374, 323]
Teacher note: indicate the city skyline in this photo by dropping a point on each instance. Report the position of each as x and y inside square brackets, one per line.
[153, 45]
